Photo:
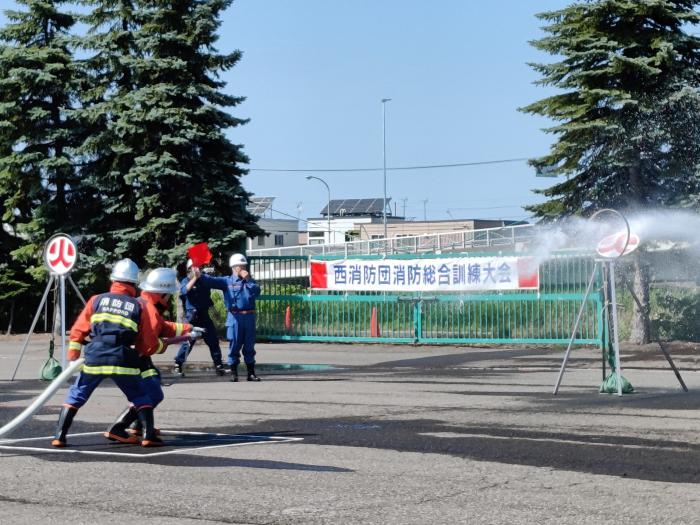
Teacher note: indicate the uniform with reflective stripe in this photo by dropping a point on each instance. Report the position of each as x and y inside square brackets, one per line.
[114, 325]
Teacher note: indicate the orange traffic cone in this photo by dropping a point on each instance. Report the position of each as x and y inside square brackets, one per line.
[374, 324]
[288, 319]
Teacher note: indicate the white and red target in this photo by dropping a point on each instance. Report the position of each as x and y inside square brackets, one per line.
[60, 254]
[617, 245]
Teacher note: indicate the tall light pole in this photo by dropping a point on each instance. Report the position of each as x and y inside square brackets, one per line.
[328, 209]
[384, 101]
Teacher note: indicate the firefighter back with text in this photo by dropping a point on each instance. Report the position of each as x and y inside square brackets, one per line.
[116, 325]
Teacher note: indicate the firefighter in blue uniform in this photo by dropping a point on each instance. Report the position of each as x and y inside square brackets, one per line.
[195, 293]
[240, 321]
[118, 328]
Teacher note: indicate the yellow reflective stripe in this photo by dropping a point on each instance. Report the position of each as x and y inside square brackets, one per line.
[74, 345]
[161, 347]
[116, 319]
[149, 373]
[179, 328]
[111, 370]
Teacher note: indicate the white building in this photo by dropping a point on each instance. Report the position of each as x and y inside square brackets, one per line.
[348, 217]
[279, 232]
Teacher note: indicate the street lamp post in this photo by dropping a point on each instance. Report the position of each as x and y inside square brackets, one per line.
[328, 209]
[384, 101]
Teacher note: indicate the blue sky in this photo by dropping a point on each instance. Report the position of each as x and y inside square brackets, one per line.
[314, 73]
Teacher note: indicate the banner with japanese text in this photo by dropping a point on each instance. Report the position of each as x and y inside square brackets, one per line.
[458, 274]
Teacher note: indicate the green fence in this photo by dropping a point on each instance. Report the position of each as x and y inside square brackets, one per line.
[289, 310]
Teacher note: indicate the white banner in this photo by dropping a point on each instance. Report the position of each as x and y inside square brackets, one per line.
[458, 274]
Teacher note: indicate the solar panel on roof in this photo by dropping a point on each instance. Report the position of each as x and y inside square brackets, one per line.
[355, 206]
[259, 205]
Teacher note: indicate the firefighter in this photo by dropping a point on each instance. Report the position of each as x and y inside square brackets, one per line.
[116, 324]
[156, 292]
[195, 293]
[240, 321]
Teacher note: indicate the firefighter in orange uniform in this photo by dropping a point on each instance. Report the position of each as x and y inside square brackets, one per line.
[156, 292]
[117, 324]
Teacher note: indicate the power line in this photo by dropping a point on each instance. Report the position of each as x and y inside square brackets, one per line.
[425, 167]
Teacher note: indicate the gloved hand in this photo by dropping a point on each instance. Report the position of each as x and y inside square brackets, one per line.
[73, 355]
[196, 333]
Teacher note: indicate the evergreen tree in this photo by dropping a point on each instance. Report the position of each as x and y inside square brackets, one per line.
[158, 143]
[105, 150]
[36, 133]
[628, 110]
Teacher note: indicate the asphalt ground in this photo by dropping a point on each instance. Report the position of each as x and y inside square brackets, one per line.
[382, 434]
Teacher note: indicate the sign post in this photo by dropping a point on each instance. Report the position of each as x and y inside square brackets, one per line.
[60, 257]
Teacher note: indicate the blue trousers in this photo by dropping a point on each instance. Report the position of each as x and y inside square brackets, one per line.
[85, 384]
[211, 338]
[241, 335]
[152, 387]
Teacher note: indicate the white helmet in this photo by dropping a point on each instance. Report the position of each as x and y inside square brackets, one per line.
[125, 271]
[189, 263]
[160, 280]
[237, 259]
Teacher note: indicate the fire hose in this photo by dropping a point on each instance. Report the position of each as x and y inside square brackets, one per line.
[58, 382]
[43, 398]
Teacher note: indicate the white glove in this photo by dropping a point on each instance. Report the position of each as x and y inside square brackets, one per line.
[196, 333]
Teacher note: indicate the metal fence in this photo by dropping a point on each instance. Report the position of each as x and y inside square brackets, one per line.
[433, 242]
[289, 310]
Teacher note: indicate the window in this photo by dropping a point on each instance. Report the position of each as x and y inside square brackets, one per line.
[279, 239]
[261, 240]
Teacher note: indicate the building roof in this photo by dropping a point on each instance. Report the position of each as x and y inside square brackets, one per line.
[343, 207]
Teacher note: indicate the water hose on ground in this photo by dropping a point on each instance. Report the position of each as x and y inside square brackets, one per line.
[43, 398]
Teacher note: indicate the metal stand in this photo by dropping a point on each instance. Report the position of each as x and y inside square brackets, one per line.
[62, 294]
[609, 284]
[614, 329]
[573, 332]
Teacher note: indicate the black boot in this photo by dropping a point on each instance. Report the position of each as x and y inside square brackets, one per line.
[251, 372]
[220, 369]
[150, 439]
[65, 419]
[118, 431]
[178, 370]
[234, 373]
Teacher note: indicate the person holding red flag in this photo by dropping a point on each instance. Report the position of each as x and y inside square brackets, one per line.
[195, 294]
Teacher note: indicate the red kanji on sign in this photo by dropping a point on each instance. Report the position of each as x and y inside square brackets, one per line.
[60, 254]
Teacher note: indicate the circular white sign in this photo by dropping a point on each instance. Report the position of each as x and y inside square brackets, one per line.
[60, 254]
[614, 245]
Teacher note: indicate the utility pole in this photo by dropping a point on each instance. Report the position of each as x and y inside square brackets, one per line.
[405, 200]
[425, 213]
[384, 101]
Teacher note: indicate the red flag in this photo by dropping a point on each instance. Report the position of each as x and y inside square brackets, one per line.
[200, 254]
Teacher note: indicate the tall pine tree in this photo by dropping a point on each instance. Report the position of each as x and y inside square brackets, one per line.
[37, 175]
[106, 150]
[163, 172]
[627, 111]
